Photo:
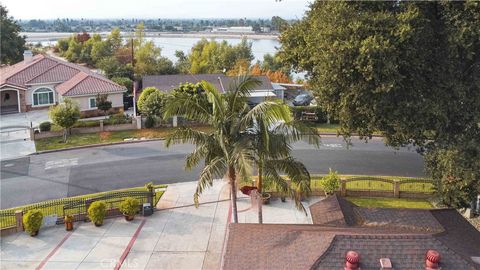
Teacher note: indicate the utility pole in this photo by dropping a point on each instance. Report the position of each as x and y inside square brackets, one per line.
[134, 81]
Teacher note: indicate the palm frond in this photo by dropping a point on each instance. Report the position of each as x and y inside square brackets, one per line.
[187, 107]
[216, 168]
[187, 135]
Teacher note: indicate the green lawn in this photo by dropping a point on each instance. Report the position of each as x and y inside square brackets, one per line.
[328, 128]
[390, 202]
[103, 137]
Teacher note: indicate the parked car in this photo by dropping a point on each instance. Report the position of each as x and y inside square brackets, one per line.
[302, 100]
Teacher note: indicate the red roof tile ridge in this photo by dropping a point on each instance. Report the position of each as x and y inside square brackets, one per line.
[45, 71]
[18, 67]
[72, 82]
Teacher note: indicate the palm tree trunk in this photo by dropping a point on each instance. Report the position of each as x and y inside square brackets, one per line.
[233, 192]
[259, 190]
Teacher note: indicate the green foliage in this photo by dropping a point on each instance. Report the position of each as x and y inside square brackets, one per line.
[192, 90]
[113, 57]
[12, 45]
[103, 103]
[97, 212]
[32, 221]
[116, 119]
[225, 149]
[124, 81]
[370, 68]
[150, 121]
[65, 115]
[111, 67]
[330, 182]
[153, 104]
[129, 206]
[215, 57]
[146, 92]
[45, 126]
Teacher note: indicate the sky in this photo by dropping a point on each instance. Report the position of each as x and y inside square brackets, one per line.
[144, 9]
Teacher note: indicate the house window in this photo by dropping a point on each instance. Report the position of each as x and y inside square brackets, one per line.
[43, 96]
[92, 102]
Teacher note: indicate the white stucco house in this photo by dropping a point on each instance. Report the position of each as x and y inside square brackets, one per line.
[41, 81]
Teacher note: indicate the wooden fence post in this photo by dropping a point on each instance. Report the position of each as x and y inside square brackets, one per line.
[396, 188]
[343, 187]
[19, 220]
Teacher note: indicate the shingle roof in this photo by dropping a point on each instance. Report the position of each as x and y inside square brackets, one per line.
[168, 82]
[404, 251]
[403, 235]
[46, 69]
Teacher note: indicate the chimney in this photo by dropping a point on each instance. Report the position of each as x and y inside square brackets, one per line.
[27, 56]
[352, 260]
[385, 264]
[432, 260]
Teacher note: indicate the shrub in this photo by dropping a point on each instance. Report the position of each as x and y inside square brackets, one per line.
[331, 182]
[97, 212]
[150, 122]
[32, 221]
[116, 119]
[45, 126]
[129, 206]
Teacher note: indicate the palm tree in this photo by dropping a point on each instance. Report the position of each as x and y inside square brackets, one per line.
[224, 150]
[271, 148]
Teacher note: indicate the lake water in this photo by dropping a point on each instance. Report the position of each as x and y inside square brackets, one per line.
[169, 45]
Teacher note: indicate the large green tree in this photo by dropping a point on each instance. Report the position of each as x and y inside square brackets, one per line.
[216, 57]
[12, 44]
[223, 149]
[407, 69]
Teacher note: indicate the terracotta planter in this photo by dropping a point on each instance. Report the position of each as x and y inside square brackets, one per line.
[68, 225]
[266, 198]
[129, 217]
[98, 224]
[35, 233]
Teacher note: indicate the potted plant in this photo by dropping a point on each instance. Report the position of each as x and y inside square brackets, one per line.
[97, 212]
[330, 183]
[68, 222]
[129, 207]
[32, 221]
[266, 197]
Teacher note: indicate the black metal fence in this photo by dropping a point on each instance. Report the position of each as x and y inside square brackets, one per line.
[77, 206]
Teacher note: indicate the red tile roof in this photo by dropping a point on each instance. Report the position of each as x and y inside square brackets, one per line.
[74, 80]
[403, 235]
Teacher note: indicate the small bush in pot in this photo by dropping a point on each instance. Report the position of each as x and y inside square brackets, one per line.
[97, 212]
[32, 221]
[45, 126]
[129, 207]
[330, 182]
[68, 222]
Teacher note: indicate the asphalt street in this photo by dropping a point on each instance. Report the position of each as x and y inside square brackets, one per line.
[68, 173]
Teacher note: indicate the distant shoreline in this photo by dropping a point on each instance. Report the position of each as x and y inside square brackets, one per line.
[34, 37]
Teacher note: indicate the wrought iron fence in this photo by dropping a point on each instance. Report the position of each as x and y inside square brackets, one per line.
[77, 206]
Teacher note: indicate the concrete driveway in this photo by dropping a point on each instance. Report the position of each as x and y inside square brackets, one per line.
[15, 135]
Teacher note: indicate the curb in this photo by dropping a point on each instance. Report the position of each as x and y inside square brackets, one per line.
[149, 140]
[93, 146]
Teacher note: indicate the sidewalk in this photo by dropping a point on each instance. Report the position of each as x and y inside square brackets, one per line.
[177, 236]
